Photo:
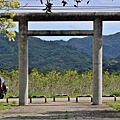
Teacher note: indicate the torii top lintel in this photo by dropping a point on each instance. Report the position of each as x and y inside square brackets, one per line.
[67, 16]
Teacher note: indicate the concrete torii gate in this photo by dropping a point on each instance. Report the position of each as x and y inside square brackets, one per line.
[96, 17]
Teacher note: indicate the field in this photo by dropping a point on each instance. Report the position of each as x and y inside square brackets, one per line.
[68, 82]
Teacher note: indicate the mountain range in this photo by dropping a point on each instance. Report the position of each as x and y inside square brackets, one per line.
[74, 54]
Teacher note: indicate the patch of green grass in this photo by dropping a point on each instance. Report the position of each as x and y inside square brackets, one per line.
[4, 106]
[115, 105]
[66, 116]
[116, 93]
[11, 94]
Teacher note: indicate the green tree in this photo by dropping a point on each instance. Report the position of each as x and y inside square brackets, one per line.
[7, 23]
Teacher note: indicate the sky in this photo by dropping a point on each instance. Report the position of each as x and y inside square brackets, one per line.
[110, 27]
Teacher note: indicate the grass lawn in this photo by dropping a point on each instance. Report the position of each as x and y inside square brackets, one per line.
[4, 106]
[115, 105]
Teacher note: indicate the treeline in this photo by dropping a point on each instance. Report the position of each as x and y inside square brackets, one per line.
[67, 82]
[74, 54]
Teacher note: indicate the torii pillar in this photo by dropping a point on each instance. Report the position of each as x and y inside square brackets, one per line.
[23, 62]
[97, 62]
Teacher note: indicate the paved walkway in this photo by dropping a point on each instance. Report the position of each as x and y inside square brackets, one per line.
[60, 111]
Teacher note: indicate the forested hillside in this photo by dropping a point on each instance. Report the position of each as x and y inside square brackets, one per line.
[49, 55]
[111, 45]
[74, 54]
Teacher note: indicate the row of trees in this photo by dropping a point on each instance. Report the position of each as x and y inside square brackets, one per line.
[67, 82]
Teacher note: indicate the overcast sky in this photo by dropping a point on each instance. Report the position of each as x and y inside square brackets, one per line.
[94, 5]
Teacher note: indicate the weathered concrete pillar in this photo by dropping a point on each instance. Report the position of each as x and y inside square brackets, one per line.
[23, 62]
[97, 62]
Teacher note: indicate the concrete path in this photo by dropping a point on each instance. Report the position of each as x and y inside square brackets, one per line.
[61, 110]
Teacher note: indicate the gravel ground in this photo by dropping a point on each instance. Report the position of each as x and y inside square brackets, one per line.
[60, 111]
